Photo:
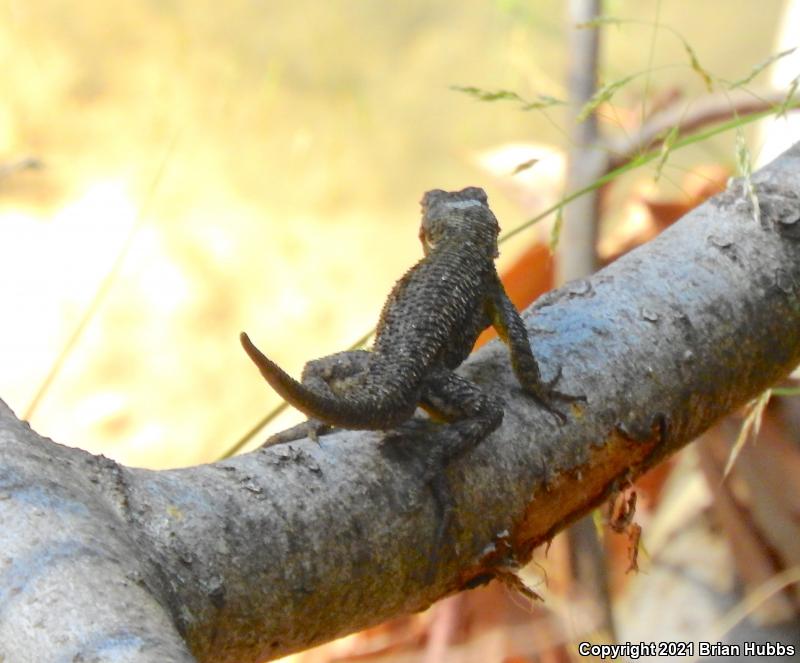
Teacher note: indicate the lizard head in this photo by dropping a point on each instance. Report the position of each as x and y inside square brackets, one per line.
[458, 215]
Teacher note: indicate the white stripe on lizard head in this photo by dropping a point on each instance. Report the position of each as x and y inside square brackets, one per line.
[462, 204]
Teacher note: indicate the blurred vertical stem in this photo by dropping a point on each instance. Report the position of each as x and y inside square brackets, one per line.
[577, 255]
[577, 258]
[105, 285]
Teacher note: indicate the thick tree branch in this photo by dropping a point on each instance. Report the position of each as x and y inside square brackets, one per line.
[287, 547]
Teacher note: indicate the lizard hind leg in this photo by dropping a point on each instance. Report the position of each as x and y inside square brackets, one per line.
[314, 403]
[464, 416]
[469, 413]
[336, 373]
[329, 376]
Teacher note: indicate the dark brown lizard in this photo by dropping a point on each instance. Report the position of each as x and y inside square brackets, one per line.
[427, 327]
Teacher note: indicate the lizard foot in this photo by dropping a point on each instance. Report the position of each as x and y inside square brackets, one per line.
[426, 450]
[409, 442]
[311, 429]
[445, 517]
[545, 393]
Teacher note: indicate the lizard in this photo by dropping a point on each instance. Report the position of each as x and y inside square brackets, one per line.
[427, 328]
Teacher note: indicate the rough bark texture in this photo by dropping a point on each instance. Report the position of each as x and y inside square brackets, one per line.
[287, 547]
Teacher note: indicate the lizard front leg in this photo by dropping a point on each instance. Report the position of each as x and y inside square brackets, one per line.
[508, 323]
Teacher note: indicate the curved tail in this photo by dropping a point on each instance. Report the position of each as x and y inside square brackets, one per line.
[359, 411]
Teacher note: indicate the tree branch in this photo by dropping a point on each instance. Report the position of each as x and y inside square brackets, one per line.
[280, 549]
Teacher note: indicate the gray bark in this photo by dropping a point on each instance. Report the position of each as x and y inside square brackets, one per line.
[277, 550]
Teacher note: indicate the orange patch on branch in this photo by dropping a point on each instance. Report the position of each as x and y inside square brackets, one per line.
[577, 490]
[567, 497]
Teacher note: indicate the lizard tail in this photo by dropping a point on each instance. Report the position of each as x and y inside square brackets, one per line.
[350, 413]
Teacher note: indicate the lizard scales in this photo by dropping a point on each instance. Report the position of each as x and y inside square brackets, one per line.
[427, 327]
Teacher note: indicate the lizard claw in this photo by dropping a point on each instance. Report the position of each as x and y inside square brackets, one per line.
[314, 428]
[548, 386]
[546, 393]
[558, 414]
[311, 429]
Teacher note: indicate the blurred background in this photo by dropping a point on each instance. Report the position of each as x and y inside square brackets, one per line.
[174, 172]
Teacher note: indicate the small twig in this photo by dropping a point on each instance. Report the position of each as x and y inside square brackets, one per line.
[14, 167]
[102, 290]
[705, 110]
